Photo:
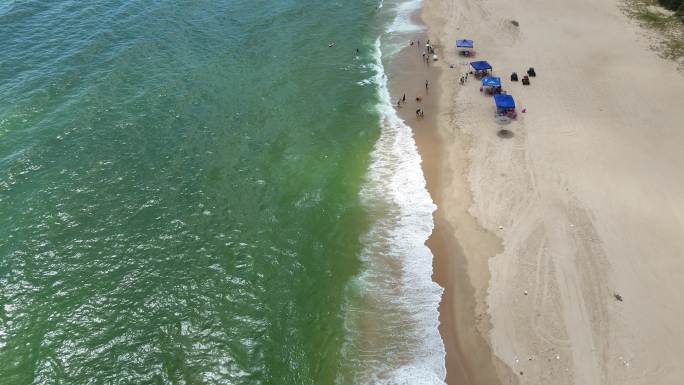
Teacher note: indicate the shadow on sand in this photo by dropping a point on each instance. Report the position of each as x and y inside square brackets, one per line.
[505, 134]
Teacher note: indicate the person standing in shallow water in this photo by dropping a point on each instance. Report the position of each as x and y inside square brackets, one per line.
[403, 98]
[426, 84]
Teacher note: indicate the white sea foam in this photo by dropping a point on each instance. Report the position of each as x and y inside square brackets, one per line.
[402, 22]
[397, 301]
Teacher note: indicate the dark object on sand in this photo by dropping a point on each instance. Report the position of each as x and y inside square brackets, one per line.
[505, 134]
[617, 297]
[531, 72]
[526, 80]
[515, 23]
[514, 77]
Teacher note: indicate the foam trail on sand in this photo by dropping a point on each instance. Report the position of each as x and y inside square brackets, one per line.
[402, 22]
[392, 317]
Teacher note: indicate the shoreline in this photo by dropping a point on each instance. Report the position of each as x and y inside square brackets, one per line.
[463, 320]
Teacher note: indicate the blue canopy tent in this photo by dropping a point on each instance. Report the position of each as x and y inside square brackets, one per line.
[504, 102]
[491, 81]
[464, 43]
[480, 65]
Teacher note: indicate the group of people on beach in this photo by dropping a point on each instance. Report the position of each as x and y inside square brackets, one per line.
[430, 50]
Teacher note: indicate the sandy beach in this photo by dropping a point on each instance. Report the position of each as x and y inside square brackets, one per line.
[559, 246]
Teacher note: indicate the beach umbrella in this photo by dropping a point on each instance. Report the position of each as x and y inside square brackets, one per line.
[491, 81]
[464, 43]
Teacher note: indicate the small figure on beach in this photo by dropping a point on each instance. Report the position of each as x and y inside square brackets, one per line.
[428, 42]
[424, 55]
[357, 51]
[419, 99]
[462, 79]
[411, 42]
[403, 98]
[399, 103]
[426, 84]
[418, 112]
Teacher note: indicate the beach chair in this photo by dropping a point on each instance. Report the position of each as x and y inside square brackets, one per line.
[514, 77]
[531, 72]
[526, 80]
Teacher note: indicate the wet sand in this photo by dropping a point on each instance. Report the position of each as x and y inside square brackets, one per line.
[468, 359]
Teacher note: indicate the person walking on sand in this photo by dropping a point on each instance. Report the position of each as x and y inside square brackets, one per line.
[418, 113]
[403, 98]
[426, 84]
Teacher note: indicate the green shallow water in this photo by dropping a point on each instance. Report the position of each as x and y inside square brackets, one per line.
[179, 189]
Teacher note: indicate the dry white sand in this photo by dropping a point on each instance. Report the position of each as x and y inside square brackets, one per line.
[587, 196]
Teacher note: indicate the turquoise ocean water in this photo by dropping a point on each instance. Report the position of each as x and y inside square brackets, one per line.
[204, 192]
